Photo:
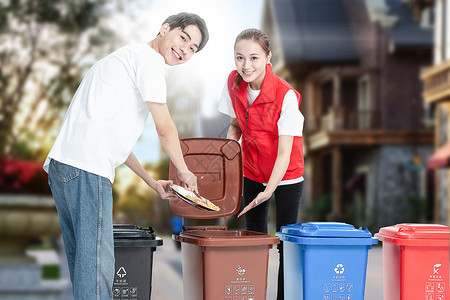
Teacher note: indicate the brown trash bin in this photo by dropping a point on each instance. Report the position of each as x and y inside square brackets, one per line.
[217, 263]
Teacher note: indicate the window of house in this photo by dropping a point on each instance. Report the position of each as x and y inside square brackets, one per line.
[364, 111]
[429, 109]
[327, 97]
[439, 31]
[427, 17]
[429, 115]
[444, 29]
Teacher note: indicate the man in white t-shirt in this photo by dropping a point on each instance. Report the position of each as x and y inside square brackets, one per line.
[104, 120]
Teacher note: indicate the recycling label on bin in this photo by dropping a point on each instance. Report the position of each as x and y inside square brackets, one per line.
[240, 287]
[121, 286]
[435, 285]
[338, 288]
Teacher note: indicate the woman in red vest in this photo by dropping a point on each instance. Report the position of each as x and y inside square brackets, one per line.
[264, 112]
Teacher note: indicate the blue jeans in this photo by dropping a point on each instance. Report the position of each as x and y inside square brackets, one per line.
[84, 204]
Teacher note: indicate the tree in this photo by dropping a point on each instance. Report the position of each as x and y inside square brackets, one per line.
[45, 47]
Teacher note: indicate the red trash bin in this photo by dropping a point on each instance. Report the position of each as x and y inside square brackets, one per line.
[415, 261]
[218, 263]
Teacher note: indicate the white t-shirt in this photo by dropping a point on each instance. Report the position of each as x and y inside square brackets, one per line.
[290, 122]
[108, 111]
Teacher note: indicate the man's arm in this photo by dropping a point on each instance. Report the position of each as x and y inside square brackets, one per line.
[159, 186]
[168, 136]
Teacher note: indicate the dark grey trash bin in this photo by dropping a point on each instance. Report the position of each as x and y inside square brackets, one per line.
[133, 250]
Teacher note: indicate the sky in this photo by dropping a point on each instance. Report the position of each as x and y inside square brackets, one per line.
[210, 67]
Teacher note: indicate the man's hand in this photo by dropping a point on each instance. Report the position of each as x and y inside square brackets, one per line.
[160, 187]
[189, 179]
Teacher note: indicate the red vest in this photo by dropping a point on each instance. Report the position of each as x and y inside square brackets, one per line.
[259, 127]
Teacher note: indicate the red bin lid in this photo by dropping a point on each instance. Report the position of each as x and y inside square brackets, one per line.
[217, 163]
[415, 234]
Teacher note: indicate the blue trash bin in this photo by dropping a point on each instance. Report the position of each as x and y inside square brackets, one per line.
[325, 260]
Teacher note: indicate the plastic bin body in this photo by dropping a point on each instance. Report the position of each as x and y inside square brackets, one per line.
[415, 261]
[325, 260]
[220, 264]
[133, 251]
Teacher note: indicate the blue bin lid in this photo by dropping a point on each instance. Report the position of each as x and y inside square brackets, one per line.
[326, 232]
[325, 229]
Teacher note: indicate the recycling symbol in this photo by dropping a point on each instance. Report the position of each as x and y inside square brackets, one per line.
[339, 269]
[240, 270]
[121, 272]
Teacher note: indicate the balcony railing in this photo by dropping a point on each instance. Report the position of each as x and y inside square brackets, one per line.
[437, 82]
[339, 118]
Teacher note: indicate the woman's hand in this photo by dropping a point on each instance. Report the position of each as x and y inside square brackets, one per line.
[279, 169]
[160, 187]
[262, 197]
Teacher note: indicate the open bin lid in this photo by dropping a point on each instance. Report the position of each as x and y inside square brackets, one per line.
[132, 236]
[415, 234]
[223, 238]
[326, 233]
[217, 163]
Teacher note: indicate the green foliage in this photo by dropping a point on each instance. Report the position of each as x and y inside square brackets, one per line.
[136, 203]
[161, 168]
[420, 210]
[50, 272]
[354, 214]
[47, 45]
[70, 16]
[318, 210]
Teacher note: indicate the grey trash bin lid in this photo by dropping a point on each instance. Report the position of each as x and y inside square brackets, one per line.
[132, 236]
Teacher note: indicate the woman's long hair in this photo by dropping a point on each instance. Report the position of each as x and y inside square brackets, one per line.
[256, 35]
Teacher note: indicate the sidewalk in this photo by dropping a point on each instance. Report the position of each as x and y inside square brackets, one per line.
[374, 278]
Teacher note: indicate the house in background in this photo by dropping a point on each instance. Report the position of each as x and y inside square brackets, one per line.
[437, 93]
[367, 132]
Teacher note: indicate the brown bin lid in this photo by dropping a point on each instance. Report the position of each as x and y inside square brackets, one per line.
[217, 163]
[226, 238]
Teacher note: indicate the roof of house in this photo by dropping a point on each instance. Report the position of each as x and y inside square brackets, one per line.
[319, 30]
[406, 32]
[314, 30]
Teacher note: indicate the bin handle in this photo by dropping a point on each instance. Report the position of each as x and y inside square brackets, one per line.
[308, 227]
[366, 230]
[405, 230]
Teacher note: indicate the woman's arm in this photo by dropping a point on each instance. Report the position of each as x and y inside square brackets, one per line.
[279, 169]
[234, 132]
